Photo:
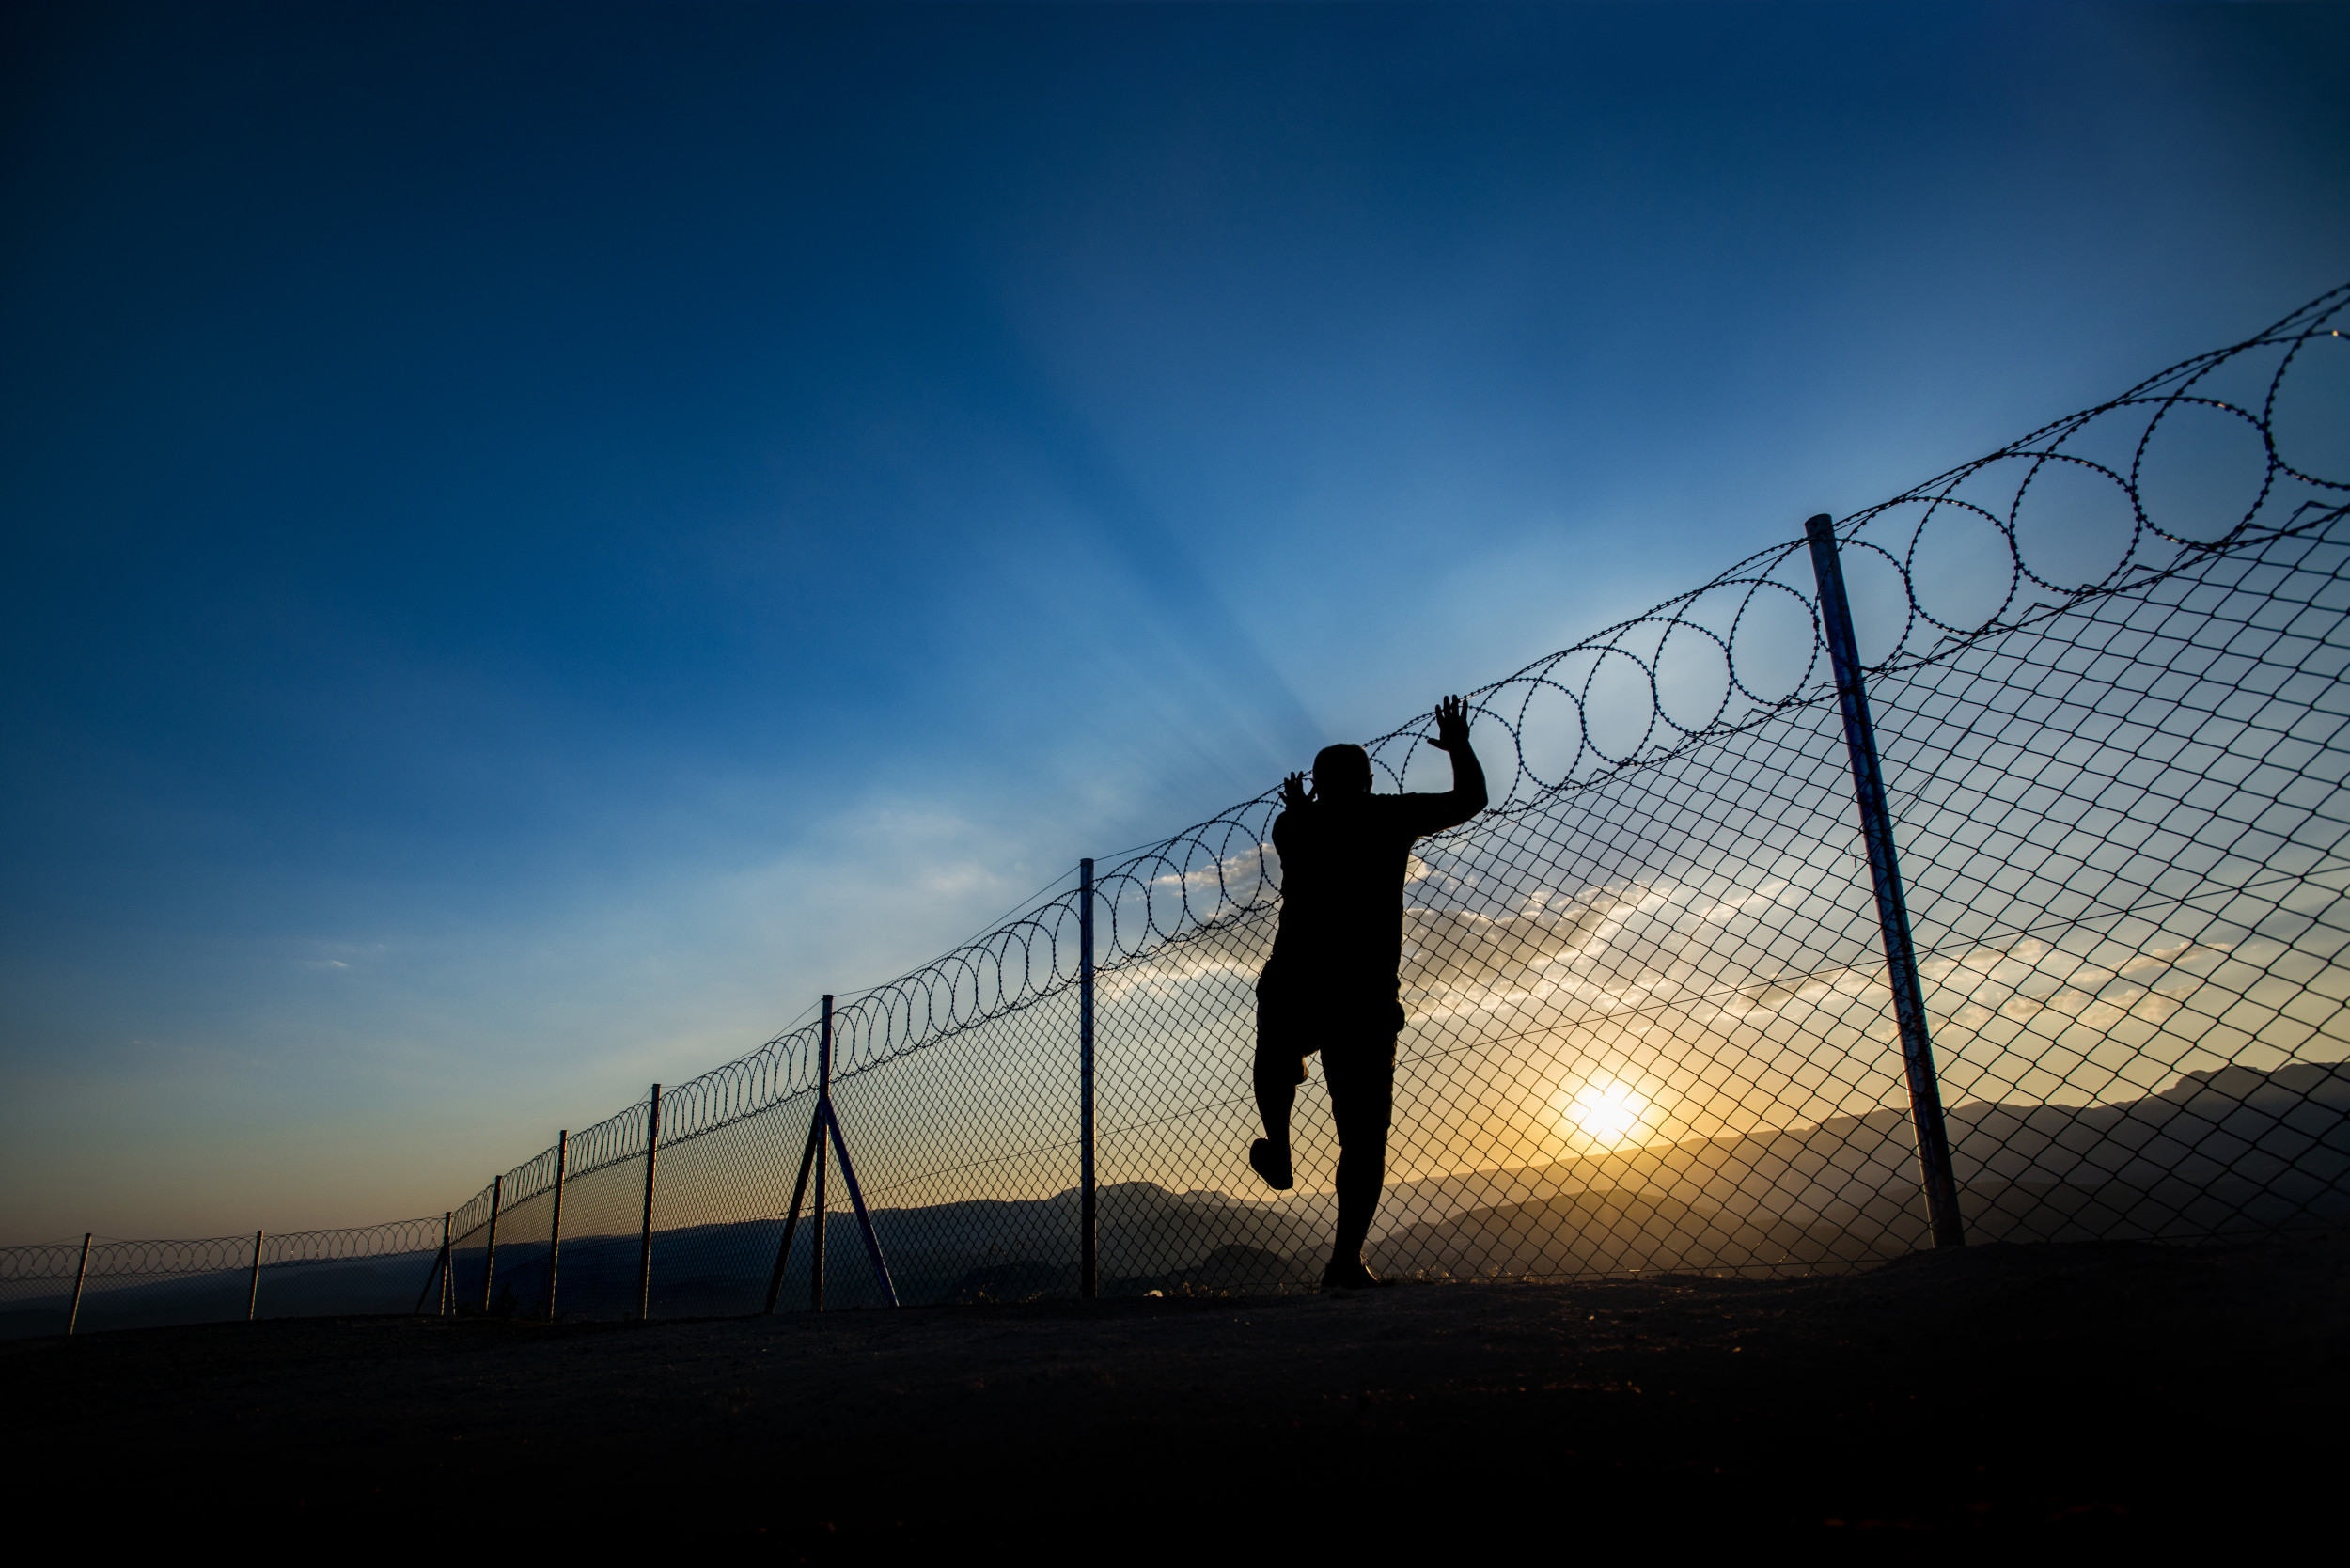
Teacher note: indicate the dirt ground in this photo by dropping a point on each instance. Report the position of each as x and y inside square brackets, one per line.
[2113, 1392]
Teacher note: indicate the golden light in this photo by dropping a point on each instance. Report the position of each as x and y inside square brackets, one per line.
[1606, 1112]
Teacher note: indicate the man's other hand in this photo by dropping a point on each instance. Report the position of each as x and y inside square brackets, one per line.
[1293, 792]
[1452, 722]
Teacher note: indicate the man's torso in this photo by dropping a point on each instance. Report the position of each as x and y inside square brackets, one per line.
[1343, 865]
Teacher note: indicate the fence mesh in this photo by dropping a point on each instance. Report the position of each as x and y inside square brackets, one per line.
[145, 1285]
[1649, 1024]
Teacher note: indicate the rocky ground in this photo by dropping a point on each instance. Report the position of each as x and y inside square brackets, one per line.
[2120, 1392]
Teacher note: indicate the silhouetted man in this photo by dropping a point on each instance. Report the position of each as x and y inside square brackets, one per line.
[1331, 985]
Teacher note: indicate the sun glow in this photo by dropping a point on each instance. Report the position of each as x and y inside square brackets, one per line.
[1606, 1113]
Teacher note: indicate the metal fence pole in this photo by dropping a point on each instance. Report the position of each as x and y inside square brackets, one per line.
[253, 1292]
[1877, 832]
[73, 1313]
[447, 1302]
[1089, 1236]
[490, 1253]
[816, 1237]
[644, 1250]
[554, 1227]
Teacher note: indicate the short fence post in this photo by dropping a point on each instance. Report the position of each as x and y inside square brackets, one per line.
[490, 1253]
[1877, 832]
[253, 1292]
[554, 1228]
[816, 1237]
[644, 1250]
[73, 1313]
[1089, 1241]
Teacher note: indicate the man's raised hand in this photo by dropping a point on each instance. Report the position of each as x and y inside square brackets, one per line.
[1452, 722]
[1293, 792]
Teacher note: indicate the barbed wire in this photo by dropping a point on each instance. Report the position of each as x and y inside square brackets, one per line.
[120, 1259]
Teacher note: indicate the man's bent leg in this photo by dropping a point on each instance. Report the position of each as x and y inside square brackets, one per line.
[1361, 1077]
[1279, 1069]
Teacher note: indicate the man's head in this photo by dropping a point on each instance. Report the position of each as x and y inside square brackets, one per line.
[1342, 770]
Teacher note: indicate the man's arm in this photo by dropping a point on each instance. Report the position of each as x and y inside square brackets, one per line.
[1467, 796]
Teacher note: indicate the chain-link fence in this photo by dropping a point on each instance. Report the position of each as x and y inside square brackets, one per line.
[1650, 1020]
[98, 1282]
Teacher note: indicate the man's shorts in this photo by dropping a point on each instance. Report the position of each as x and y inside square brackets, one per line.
[1356, 1039]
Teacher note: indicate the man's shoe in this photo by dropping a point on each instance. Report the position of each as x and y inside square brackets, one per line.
[1349, 1275]
[1274, 1168]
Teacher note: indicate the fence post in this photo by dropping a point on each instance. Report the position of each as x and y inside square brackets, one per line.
[73, 1313]
[446, 1304]
[490, 1253]
[1089, 1234]
[554, 1228]
[253, 1292]
[816, 1237]
[644, 1250]
[1877, 832]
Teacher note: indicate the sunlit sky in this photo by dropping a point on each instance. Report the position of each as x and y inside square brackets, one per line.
[541, 538]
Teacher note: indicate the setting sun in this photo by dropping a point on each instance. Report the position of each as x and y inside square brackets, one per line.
[1606, 1113]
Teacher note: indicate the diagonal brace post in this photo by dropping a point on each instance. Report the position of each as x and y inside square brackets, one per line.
[857, 1202]
[799, 1196]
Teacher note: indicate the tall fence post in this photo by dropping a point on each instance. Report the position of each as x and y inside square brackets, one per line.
[1089, 1222]
[816, 1237]
[253, 1291]
[490, 1253]
[73, 1313]
[447, 1305]
[644, 1250]
[554, 1227]
[1877, 832]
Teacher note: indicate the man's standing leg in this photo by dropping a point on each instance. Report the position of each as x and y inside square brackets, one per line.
[1361, 1079]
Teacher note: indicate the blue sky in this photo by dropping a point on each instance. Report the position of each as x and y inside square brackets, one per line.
[541, 538]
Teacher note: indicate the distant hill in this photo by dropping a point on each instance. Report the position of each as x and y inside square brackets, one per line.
[2225, 1152]
[2230, 1151]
